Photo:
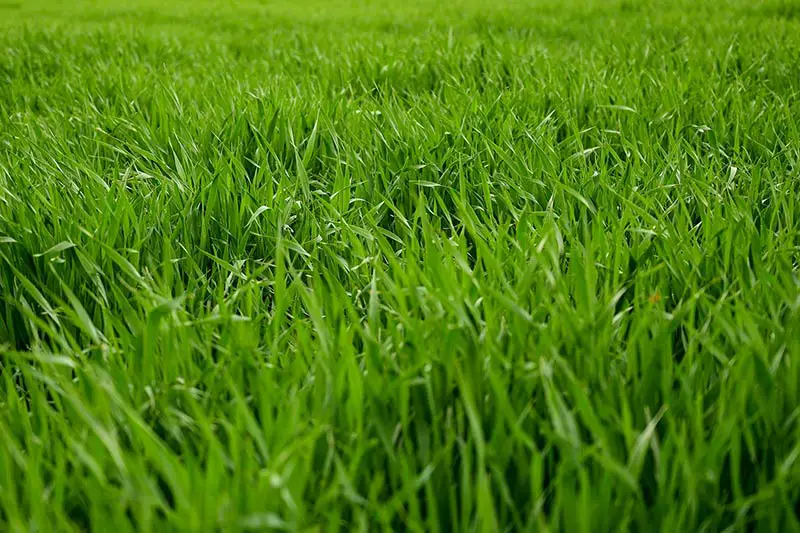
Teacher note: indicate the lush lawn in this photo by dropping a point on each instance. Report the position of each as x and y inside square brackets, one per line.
[415, 266]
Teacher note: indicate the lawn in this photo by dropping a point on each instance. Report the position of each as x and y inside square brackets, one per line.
[364, 265]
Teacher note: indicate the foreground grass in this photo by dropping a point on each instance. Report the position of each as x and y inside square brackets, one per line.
[372, 266]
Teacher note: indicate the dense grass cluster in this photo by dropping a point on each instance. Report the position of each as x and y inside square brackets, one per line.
[369, 265]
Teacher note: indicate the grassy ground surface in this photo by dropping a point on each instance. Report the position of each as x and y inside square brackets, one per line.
[365, 265]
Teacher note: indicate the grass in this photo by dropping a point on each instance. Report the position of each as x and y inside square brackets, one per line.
[370, 266]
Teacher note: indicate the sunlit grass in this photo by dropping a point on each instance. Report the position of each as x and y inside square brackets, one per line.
[518, 266]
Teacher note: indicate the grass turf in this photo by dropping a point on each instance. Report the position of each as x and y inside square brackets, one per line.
[363, 265]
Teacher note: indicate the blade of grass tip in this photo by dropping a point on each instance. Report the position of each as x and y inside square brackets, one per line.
[60, 247]
[302, 176]
[311, 143]
[637, 456]
[255, 215]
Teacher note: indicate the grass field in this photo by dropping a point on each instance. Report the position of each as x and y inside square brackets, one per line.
[363, 265]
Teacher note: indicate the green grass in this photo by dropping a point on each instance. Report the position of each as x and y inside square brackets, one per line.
[399, 266]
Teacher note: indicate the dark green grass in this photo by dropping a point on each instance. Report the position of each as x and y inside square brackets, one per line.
[507, 266]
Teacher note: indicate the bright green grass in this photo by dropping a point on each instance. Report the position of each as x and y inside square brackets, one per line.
[370, 265]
